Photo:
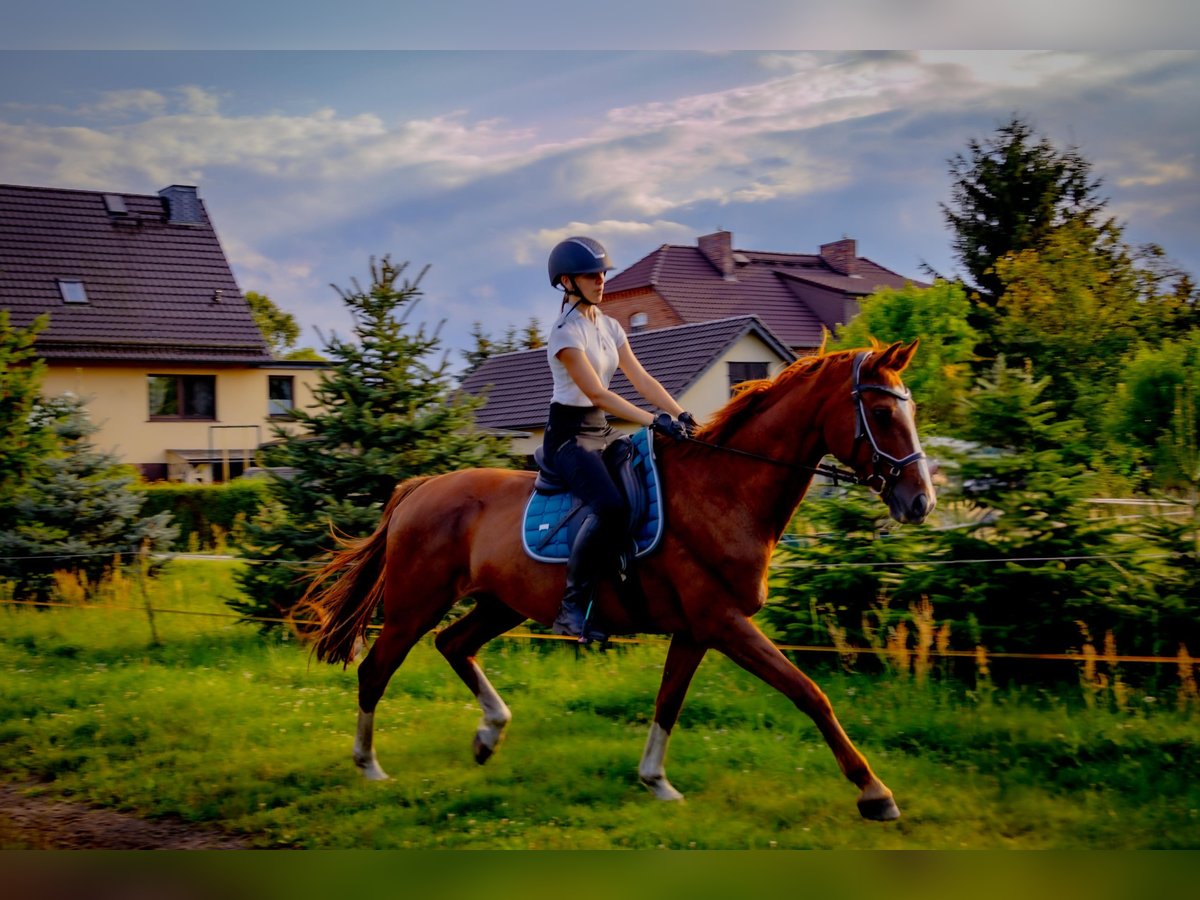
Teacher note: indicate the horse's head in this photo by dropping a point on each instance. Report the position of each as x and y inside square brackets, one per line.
[875, 433]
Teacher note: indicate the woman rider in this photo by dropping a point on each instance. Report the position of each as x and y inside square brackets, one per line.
[584, 348]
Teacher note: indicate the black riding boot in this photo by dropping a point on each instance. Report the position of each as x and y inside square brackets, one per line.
[583, 575]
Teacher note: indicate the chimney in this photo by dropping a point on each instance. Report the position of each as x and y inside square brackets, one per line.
[183, 205]
[718, 249]
[841, 256]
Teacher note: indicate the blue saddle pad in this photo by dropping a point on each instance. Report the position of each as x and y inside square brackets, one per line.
[551, 520]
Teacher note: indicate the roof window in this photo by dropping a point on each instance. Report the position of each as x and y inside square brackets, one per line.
[115, 204]
[72, 290]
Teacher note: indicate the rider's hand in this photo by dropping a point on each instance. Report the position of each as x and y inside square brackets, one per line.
[689, 423]
[672, 428]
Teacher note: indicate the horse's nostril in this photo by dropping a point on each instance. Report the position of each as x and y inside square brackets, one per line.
[920, 507]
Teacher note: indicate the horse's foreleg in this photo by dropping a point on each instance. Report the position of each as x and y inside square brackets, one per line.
[742, 642]
[683, 657]
[459, 642]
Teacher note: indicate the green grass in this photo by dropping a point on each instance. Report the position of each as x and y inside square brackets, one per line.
[222, 726]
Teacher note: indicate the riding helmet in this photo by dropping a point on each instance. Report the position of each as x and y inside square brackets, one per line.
[578, 256]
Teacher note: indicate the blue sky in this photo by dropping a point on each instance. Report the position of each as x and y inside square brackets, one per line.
[476, 161]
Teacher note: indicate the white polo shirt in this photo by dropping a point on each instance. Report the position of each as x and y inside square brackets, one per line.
[600, 342]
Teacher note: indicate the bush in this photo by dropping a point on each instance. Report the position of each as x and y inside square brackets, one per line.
[209, 516]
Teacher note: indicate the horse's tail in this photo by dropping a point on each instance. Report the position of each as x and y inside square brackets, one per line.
[346, 590]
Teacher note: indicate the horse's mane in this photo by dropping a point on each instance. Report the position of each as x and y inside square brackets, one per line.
[752, 396]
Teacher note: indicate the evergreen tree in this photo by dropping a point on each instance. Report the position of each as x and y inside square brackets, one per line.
[21, 372]
[1009, 193]
[1030, 565]
[75, 512]
[528, 338]
[386, 411]
[839, 576]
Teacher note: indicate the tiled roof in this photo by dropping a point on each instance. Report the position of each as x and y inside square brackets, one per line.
[772, 286]
[150, 281]
[521, 385]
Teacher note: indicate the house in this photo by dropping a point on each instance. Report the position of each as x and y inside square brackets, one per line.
[698, 364]
[796, 295]
[147, 324]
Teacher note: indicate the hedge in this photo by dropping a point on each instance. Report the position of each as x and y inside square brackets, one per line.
[210, 516]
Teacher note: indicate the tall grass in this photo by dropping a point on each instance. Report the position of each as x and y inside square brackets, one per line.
[219, 725]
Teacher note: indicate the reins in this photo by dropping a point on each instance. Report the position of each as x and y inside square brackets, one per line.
[836, 475]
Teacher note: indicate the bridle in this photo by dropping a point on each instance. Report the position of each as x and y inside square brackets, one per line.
[862, 428]
[883, 484]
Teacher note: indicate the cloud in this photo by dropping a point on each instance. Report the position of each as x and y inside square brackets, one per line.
[1156, 172]
[534, 246]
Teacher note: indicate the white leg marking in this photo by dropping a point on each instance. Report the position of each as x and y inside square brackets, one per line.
[496, 716]
[364, 749]
[651, 770]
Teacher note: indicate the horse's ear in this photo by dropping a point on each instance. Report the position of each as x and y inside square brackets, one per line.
[903, 355]
[895, 356]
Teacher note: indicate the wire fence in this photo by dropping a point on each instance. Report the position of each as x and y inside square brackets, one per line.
[526, 635]
[521, 634]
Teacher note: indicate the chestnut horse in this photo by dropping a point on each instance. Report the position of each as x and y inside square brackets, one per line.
[729, 494]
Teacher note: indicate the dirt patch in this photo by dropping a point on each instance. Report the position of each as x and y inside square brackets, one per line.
[39, 823]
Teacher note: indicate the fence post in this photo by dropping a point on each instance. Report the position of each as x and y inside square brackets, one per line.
[143, 574]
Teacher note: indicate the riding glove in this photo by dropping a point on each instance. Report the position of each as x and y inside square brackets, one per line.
[672, 428]
[689, 423]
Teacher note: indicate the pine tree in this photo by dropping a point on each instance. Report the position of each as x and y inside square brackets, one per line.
[386, 411]
[839, 576]
[21, 372]
[76, 512]
[527, 338]
[1033, 563]
[1009, 193]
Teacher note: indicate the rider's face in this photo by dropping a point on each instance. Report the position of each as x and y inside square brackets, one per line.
[591, 285]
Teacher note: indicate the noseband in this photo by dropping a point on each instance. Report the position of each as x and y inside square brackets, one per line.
[883, 483]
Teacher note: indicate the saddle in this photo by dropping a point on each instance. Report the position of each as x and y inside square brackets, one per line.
[553, 515]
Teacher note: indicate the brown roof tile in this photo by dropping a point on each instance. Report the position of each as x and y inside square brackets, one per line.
[772, 286]
[150, 282]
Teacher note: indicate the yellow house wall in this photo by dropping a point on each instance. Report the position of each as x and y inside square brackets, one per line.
[706, 396]
[118, 402]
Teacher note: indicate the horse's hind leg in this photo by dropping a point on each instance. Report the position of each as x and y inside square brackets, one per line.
[459, 642]
[683, 657]
[385, 656]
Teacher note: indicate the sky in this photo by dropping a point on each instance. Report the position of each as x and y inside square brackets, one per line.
[474, 158]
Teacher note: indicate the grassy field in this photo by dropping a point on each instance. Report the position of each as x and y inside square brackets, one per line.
[221, 726]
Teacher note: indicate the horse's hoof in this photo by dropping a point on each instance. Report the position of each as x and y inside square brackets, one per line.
[371, 770]
[483, 752]
[881, 809]
[661, 788]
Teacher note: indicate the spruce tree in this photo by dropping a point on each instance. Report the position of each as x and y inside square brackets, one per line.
[21, 372]
[842, 571]
[75, 511]
[1034, 562]
[386, 410]
[1009, 193]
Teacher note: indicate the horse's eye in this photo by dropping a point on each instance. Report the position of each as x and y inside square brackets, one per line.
[882, 415]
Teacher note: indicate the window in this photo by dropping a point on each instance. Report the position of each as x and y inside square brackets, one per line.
[281, 397]
[183, 397]
[72, 290]
[638, 321]
[745, 371]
